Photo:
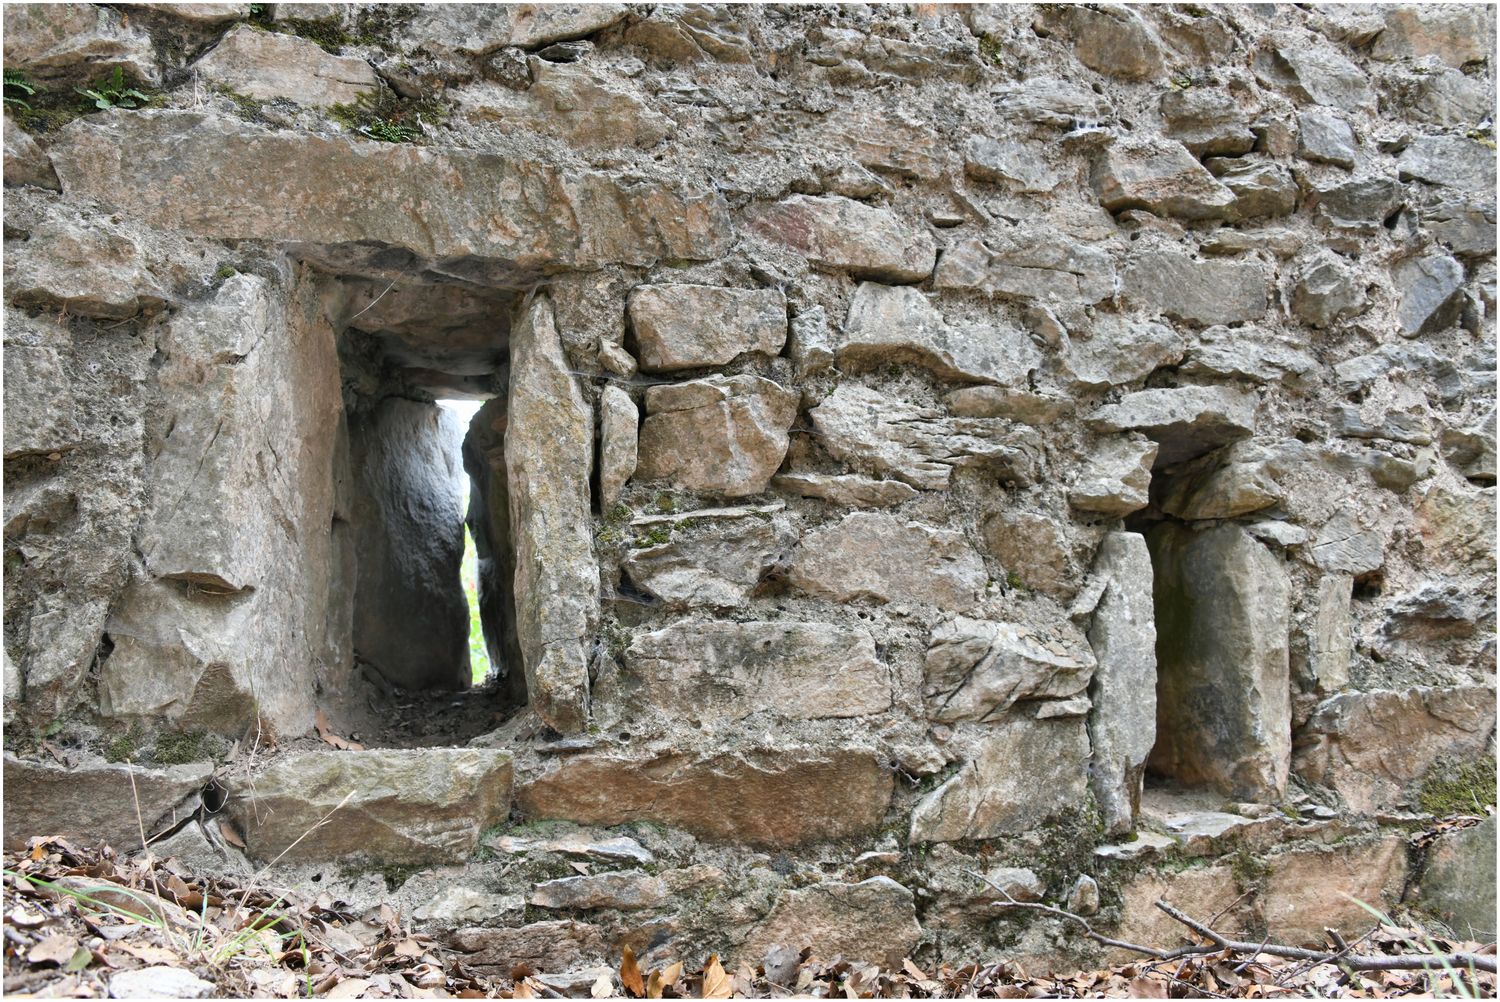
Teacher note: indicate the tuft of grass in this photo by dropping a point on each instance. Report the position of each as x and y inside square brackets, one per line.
[654, 536]
[990, 47]
[387, 118]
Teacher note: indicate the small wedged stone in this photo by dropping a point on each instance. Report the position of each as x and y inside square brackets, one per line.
[919, 445]
[1317, 75]
[1328, 290]
[722, 434]
[476, 29]
[1009, 161]
[1346, 544]
[1348, 742]
[1014, 882]
[847, 489]
[710, 567]
[1035, 547]
[1116, 477]
[892, 322]
[1185, 421]
[40, 410]
[989, 796]
[1022, 406]
[1118, 351]
[691, 326]
[96, 803]
[873, 920]
[619, 425]
[1208, 121]
[725, 671]
[416, 805]
[1431, 290]
[1450, 161]
[559, 945]
[1160, 176]
[269, 66]
[976, 670]
[1249, 354]
[1261, 189]
[1325, 138]
[1362, 203]
[1023, 263]
[883, 558]
[1202, 292]
[624, 890]
[741, 796]
[843, 234]
[1223, 712]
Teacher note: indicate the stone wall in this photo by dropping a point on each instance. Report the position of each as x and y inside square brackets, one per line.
[1049, 441]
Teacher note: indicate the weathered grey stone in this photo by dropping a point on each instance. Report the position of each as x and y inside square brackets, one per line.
[548, 453]
[159, 982]
[1365, 202]
[454, 906]
[810, 346]
[1159, 176]
[1465, 228]
[1014, 882]
[1345, 545]
[1438, 609]
[1185, 422]
[887, 323]
[1431, 290]
[989, 796]
[78, 40]
[1330, 640]
[689, 326]
[1009, 161]
[475, 29]
[1035, 548]
[408, 539]
[91, 804]
[1458, 884]
[1472, 449]
[1114, 40]
[1223, 712]
[626, 890]
[1208, 121]
[921, 446]
[417, 805]
[1023, 263]
[714, 568]
[1122, 717]
[1116, 477]
[1054, 101]
[1323, 137]
[203, 13]
[1083, 896]
[1379, 420]
[579, 103]
[873, 920]
[619, 424]
[1448, 97]
[1452, 32]
[1010, 403]
[1261, 188]
[736, 796]
[694, 32]
[25, 161]
[40, 414]
[164, 166]
[1203, 292]
[92, 268]
[722, 434]
[726, 671]
[1328, 290]
[1317, 75]
[839, 233]
[976, 670]
[581, 844]
[847, 489]
[1452, 161]
[562, 945]
[880, 557]
[1372, 746]
[1308, 892]
[268, 66]
[1250, 355]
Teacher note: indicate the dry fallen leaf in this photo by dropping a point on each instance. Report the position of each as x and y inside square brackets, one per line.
[603, 988]
[230, 835]
[353, 988]
[717, 984]
[630, 974]
[53, 950]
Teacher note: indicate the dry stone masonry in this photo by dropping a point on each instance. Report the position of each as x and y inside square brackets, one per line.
[1049, 441]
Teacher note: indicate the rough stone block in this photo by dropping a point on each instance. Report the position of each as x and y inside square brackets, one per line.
[691, 326]
[883, 558]
[840, 233]
[723, 434]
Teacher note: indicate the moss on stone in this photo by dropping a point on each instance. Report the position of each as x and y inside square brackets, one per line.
[178, 749]
[1459, 788]
[124, 747]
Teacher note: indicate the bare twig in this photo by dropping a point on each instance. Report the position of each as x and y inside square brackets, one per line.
[1356, 961]
[1088, 930]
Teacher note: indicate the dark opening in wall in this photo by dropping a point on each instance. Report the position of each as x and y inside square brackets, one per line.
[406, 466]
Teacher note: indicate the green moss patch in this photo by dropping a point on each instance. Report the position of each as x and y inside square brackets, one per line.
[1459, 788]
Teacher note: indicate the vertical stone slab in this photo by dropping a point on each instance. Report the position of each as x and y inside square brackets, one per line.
[1122, 720]
[548, 453]
[410, 618]
[619, 424]
[1223, 698]
[489, 521]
